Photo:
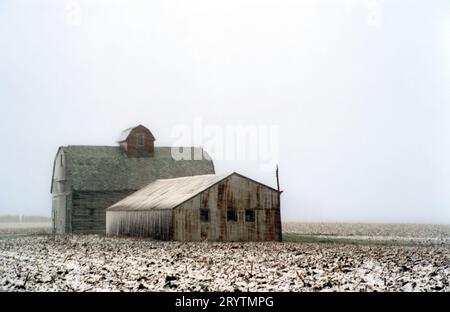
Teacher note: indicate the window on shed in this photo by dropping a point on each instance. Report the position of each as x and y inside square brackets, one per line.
[140, 139]
[62, 160]
[231, 214]
[249, 215]
[204, 215]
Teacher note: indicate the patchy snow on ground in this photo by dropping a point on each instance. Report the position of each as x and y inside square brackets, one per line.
[412, 234]
[399, 230]
[98, 263]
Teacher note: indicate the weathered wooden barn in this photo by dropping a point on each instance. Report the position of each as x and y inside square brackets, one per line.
[88, 179]
[205, 207]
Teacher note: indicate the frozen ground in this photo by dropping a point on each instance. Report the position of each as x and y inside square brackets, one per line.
[369, 229]
[96, 263]
[24, 225]
[16, 229]
[412, 234]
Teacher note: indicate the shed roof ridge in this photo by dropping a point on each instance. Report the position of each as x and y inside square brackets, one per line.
[187, 196]
[195, 176]
[205, 188]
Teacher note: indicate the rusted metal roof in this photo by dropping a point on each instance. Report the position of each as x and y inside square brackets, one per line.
[168, 193]
[171, 193]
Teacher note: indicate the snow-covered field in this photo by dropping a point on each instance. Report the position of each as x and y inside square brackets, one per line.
[96, 263]
[24, 225]
[411, 234]
[369, 229]
[16, 229]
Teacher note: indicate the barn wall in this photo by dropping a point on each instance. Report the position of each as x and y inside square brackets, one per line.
[59, 214]
[234, 192]
[88, 210]
[155, 224]
[186, 220]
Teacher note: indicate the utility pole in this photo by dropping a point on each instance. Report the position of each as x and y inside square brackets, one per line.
[278, 181]
[279, 203]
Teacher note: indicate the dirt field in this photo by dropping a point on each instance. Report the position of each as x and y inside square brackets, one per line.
[96, 263]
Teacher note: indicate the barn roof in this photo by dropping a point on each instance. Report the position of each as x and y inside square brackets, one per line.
[125, 133]
[171, 193]
[107, 168]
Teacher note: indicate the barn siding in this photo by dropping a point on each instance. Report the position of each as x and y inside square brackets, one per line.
[233, 192]
[187, 221]
[59, 214]
[88, 210]
[155, 224]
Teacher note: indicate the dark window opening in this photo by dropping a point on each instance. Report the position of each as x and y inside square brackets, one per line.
[231, 214]
[62, 163]
[249, 215]
[204, 215]
[140, 140]
[76, 196]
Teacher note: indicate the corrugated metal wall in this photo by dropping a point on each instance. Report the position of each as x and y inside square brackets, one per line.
[88, 210]
[147, 223]
[234, 192]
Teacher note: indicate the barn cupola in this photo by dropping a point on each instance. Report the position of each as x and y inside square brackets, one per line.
[137, 142]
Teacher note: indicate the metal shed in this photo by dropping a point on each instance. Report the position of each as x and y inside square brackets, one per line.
[213, 207]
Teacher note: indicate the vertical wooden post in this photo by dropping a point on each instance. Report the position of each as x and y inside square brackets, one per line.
[278, 181]
[279, 204]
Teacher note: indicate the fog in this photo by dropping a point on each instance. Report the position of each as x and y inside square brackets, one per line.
[358, 90]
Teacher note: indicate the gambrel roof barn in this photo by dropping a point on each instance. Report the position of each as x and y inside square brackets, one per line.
[88, 179]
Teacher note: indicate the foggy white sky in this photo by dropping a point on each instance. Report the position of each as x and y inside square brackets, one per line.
[360, 90]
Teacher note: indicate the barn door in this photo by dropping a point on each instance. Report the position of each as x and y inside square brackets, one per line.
[204, 231]
[204, 223]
